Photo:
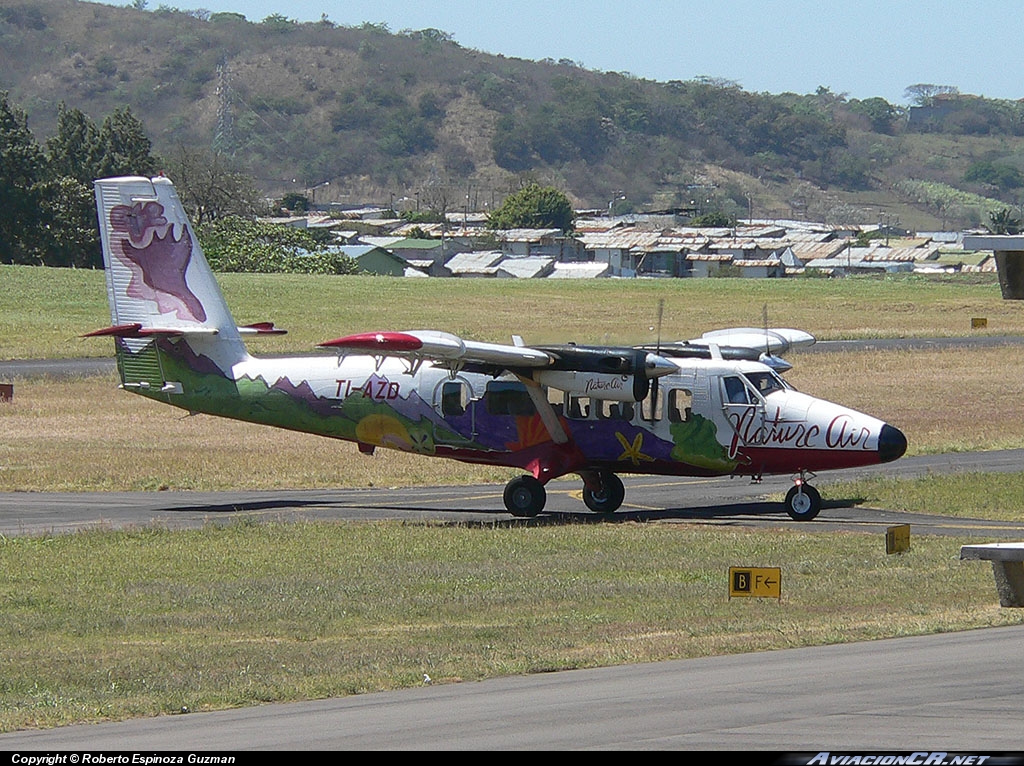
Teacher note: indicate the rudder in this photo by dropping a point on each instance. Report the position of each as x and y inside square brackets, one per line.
[158, 280]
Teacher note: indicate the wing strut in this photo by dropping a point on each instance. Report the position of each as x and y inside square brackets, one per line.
[545, 410]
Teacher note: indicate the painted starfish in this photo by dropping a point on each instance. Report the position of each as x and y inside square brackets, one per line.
[633, 452]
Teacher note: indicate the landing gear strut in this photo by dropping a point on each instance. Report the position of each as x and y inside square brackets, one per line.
[606, 496]
[803, 502]
[525, 496]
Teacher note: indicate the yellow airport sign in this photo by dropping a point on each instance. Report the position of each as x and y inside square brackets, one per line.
[755, 582]
[897, 539]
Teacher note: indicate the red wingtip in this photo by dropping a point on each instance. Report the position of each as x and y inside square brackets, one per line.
[377, 341]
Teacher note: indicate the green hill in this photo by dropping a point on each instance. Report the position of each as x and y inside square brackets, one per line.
[415, 116]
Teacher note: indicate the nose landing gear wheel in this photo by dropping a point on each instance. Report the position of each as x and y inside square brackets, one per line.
[524, 496]
[608, 498]
[803, 502]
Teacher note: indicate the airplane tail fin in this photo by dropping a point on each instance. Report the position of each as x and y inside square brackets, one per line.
[159, 285]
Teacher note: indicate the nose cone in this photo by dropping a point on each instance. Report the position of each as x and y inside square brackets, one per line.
[891, 444]
[656, 366]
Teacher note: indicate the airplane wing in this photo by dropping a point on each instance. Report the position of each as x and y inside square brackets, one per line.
[768, 344]
[136, 330]
[536, 362]
[622, 374]
[749, 343]
[773, 341]
[441, 347]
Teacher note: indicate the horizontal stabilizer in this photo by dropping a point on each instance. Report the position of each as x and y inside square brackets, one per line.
[136, 330]
[261, 328]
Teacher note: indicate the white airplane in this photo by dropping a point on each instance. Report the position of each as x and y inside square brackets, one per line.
[712, 406]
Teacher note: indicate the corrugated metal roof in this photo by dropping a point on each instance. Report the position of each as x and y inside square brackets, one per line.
[734, 244]
[714, 257]
[676, 243]
[761, 231]
[757, 262]
[525, 268]
[809, 251]
[903, 254]
[429, 229]
[582, 270]
[625, 239]
[385, 242]
[526, 235]
[473, 262]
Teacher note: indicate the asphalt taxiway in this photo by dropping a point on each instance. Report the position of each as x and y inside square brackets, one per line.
[723, 501]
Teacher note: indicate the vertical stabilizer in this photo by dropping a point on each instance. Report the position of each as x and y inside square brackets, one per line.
[158, 280]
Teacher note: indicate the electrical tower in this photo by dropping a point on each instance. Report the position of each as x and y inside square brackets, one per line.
[224, 139]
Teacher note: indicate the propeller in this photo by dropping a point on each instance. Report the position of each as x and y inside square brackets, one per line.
[764, 315]
[654, 383]
[777, 363]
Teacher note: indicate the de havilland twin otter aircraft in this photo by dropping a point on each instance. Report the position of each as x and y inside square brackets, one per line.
[715, 406]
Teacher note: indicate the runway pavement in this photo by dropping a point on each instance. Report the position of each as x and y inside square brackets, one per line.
[955, 692]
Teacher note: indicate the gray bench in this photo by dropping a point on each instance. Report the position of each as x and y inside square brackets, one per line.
[1007, 566]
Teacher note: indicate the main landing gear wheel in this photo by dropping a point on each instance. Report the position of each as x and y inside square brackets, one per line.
[608, 498]
[803, 502]
[525, 496]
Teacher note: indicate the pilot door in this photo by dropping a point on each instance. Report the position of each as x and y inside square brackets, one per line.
[453, 402]
[744, 410]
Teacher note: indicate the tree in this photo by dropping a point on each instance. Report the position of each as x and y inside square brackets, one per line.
[879, 112]
[997, 174]
[208, 186]
[21, 168]
[923, 94]
[534, 207]
[68, 235]
[713, 220]
[124, 146]
[277, 22]
[1004, 222]
[74, 150]
[239, 244]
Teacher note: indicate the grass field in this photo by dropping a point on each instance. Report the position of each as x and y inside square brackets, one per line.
[114, 624]
[118, 624]
[44, 311]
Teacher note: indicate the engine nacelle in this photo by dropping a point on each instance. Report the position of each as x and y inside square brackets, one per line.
[596, 385]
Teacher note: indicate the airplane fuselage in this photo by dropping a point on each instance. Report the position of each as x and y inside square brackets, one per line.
[708, 417]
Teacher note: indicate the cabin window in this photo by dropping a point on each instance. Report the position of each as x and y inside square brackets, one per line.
[735, 391]
[765, 382]
[454, 398]
[680, 402]
[507, 398]
[579, 407]
[611, 410]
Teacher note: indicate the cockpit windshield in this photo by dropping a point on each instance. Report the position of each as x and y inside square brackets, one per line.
[765, 382]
